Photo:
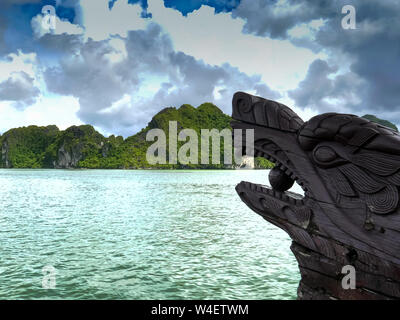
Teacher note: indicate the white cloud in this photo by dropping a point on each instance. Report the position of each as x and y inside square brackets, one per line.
[57, 110]
[119, 52]
[46, 108]
[19, 83]
[60, 27]
[18, 62]
[306, 30]
[100, 22]
[122, 97]
[138, 74]
[20, 89]
[122, 103]
[218, 38]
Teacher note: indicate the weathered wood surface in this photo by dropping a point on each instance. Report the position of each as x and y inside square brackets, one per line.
[349, 169]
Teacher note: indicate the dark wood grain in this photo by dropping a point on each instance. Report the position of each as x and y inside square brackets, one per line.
[349, 169]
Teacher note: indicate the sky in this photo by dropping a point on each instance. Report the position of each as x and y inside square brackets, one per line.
[115, 64]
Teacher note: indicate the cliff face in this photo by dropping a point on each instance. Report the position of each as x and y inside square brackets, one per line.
[25, 147]
[73, 145]
[68, 159]
[4, 154]
[47, 147]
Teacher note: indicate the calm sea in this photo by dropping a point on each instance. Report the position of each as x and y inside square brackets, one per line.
[113, 234]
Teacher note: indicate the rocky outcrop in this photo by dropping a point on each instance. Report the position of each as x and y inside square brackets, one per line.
[68, 159]
[4, 154]
[25, 147]
[105, 148]
[76, 144]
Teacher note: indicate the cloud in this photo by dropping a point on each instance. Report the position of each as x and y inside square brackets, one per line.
[20, 89]
[15, 62]
[100, 22]
[3, 26]
[60, 27]
[110, 78]
[18, 82]
[125, 68]
[374, 50]
[275, 18]
[368, 54]
[188, 6]
[60, 111]
[185, 6]
[121, 66]
[315, 86]
[325, 90]
[217, 39]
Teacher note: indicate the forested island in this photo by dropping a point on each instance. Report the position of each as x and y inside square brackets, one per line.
[84, 147]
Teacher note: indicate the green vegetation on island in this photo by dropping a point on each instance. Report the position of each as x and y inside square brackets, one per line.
[84, 147]
[385, 123]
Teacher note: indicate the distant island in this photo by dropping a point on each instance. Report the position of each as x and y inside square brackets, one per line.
[385, 123]
[84, 147]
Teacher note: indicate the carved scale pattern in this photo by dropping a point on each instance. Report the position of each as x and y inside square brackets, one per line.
[350, 211]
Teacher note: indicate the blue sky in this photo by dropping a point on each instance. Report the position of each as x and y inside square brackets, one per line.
[114, 64]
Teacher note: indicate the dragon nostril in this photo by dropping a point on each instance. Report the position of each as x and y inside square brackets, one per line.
[279, 180]
[325, 154]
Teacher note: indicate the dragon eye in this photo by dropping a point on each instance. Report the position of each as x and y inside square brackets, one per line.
[325, 154]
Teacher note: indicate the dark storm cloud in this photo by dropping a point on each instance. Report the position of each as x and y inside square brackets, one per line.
[59, 45]
[319, 91]
[20, 89]
[373, 49]
[315, 86]
[99, 83]
[90, 77]
[269, 19]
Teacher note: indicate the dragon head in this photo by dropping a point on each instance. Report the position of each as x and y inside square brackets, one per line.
[348, 167]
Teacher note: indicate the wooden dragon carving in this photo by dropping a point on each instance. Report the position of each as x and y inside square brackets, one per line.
[349, 169]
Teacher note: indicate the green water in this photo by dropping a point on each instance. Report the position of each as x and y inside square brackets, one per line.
[139, 235]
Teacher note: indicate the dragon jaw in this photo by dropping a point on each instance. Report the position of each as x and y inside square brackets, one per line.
[275, 138]
[349, 169]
